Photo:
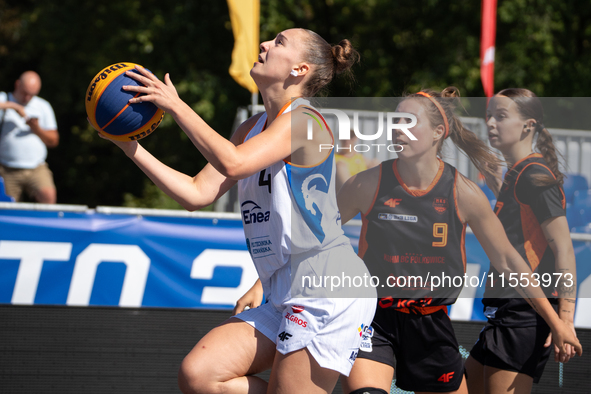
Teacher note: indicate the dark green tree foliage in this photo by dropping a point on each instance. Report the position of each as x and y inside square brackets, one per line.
[405, 45]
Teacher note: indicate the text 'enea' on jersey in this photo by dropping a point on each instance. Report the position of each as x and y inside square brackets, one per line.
[252, 213]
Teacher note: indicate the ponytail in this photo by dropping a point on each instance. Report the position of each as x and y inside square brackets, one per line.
[530, 107]
[329, 61]
[545, 146]
[441, 111]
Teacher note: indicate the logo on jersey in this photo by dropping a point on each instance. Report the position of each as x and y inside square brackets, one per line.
[353, 356]
[393, 202]
[398, 218]
[297, 308]
[296, 320]
[440, 204]
[262, 245]
[252, 213]
[361, 329]
[446, 377]
[490, 312]
[309, 125]
[311, 197]
[284, 336]
[366, 336]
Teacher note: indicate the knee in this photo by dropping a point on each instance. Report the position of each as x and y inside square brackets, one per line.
[193, 379]
[47, 196]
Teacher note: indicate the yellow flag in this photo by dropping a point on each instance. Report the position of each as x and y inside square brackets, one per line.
[244, 15]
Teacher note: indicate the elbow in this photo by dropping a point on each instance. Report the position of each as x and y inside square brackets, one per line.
[193, 206]
[232, 171]
[53, 141]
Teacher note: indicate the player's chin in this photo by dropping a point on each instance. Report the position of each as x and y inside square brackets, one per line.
[405, 153]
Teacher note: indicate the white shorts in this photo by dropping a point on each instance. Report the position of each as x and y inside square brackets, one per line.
[330, 328]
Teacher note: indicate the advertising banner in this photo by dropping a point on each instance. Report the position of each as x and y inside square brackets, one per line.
[154, 258]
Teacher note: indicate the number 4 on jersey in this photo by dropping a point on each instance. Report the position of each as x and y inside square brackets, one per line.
[263, 181]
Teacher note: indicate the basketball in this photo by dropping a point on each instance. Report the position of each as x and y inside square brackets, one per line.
[109, 110]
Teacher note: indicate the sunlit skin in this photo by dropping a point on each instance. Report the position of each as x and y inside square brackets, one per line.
[418, 162]
[508, 131]
[277, 59]
[512, 134]
[26, 87]
[417, 166]
[227, 358]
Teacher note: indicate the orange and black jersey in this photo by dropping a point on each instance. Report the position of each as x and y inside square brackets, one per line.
[410, 236]
[521, 207]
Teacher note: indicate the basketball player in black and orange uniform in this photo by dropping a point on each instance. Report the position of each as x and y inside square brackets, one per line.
[513, 347]
[414, 213]
[415, 234]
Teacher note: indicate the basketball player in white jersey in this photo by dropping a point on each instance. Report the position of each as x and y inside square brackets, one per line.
[291, 221]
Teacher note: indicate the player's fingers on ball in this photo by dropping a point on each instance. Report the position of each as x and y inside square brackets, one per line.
[138, 77]
[147, 73]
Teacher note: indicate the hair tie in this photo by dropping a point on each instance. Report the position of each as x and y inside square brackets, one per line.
[440, 110]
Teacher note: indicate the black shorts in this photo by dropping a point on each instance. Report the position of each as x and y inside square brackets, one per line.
[517, 349]
[423, 347]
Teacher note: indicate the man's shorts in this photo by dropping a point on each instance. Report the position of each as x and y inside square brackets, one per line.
[18, 181]
[422, 348]
[518, 349]
[330, 328]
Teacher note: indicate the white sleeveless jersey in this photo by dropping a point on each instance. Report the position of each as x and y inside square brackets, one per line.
[289, 210]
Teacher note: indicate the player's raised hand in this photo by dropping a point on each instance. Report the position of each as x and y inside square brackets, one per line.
[162, 94]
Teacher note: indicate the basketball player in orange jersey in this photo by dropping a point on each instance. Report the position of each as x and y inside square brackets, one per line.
[414, 213]
[514, 346]
[307, 342]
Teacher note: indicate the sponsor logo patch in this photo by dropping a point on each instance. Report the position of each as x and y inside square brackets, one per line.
[366, 344]
[252, 213]
[295, 319]
[398, 218]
